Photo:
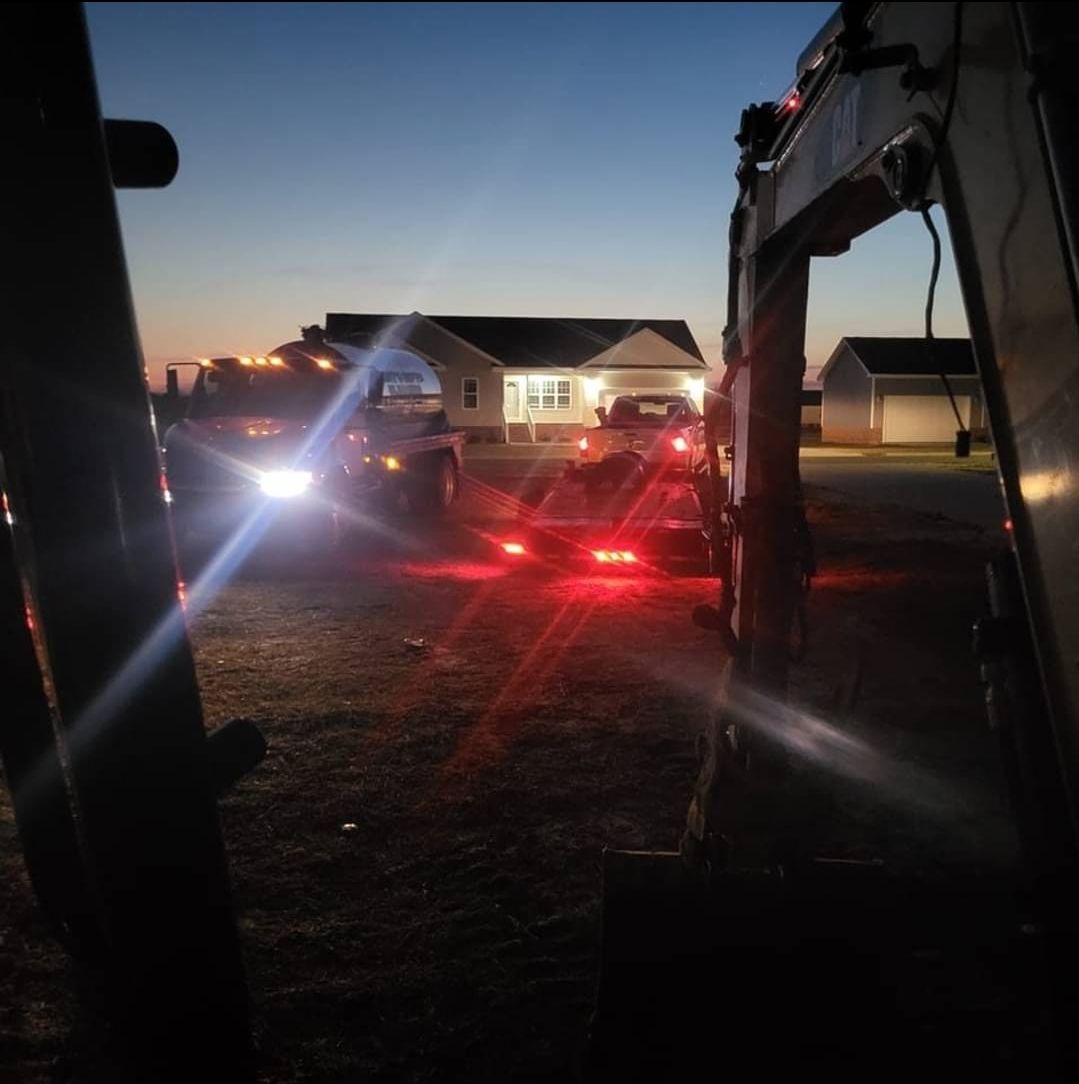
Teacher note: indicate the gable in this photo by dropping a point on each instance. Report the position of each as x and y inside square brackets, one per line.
[844, 369]
[842, 350]
[645, 349]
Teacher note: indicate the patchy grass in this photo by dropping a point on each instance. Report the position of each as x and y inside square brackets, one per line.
[416, 864]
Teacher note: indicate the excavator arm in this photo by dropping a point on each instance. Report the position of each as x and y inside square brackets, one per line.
[898, 107]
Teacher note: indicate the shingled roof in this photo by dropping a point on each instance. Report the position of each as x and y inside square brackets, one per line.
[524, 341]
[911, 357]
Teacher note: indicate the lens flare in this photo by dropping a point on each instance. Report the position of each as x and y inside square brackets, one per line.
[285, 483]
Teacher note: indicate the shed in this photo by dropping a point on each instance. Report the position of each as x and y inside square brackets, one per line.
[890, 391]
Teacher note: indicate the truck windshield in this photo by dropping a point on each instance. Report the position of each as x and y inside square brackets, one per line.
[652, 412]
[274, 394]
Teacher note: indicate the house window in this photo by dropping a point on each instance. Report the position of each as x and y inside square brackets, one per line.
[548, 393]
[470, 393]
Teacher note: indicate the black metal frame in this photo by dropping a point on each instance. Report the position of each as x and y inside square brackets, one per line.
[991, 140]
[103, 743]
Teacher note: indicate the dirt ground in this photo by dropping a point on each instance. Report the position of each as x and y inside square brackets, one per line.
[453, 742]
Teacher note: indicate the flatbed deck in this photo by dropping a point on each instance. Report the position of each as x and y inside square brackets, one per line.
[660, 520]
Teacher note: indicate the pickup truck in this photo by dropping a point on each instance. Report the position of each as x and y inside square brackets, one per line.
[661, 430]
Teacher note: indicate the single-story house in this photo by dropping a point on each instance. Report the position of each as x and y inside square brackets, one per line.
[889, 391]
[528, 378]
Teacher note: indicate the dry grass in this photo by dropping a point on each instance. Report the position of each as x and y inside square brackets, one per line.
[416, 864]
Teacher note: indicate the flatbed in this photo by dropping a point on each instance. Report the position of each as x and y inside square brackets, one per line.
[656, 522]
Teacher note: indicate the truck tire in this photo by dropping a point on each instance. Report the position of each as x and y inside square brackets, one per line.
[434, 488]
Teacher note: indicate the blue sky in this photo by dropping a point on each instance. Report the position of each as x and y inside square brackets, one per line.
[526, 159]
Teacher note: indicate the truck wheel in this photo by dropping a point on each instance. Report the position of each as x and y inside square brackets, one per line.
[436, 488]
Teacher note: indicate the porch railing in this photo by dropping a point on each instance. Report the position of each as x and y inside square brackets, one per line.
[508, 423]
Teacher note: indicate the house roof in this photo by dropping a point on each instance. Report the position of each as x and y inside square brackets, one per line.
[527, 341]
[911, 357]
[363, 326]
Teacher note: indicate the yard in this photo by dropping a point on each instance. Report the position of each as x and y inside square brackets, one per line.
[453, 742]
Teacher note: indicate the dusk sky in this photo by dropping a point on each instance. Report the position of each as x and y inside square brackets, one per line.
[492, 159]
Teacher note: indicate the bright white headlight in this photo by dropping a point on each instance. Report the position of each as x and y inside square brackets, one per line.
[284, 483]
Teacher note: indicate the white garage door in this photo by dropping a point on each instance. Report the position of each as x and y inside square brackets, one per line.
[922, 419]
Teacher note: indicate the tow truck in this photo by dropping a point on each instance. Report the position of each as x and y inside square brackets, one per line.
[314, 436]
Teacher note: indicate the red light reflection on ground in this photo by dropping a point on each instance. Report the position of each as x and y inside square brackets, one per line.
[598, 588]
[417, 689]
[460, 571]
[488, 739]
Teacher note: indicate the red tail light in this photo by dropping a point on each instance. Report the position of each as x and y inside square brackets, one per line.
[514, 549]
[583, 444]
[679, 444]
[615, 556]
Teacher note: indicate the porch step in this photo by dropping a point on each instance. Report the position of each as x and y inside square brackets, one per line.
[517, 432]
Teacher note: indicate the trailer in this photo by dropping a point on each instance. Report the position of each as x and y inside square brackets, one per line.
[619, 514]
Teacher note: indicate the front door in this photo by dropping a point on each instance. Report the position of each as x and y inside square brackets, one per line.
[514, 399]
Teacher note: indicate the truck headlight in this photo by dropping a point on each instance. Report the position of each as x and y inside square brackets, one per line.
[284, 483]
